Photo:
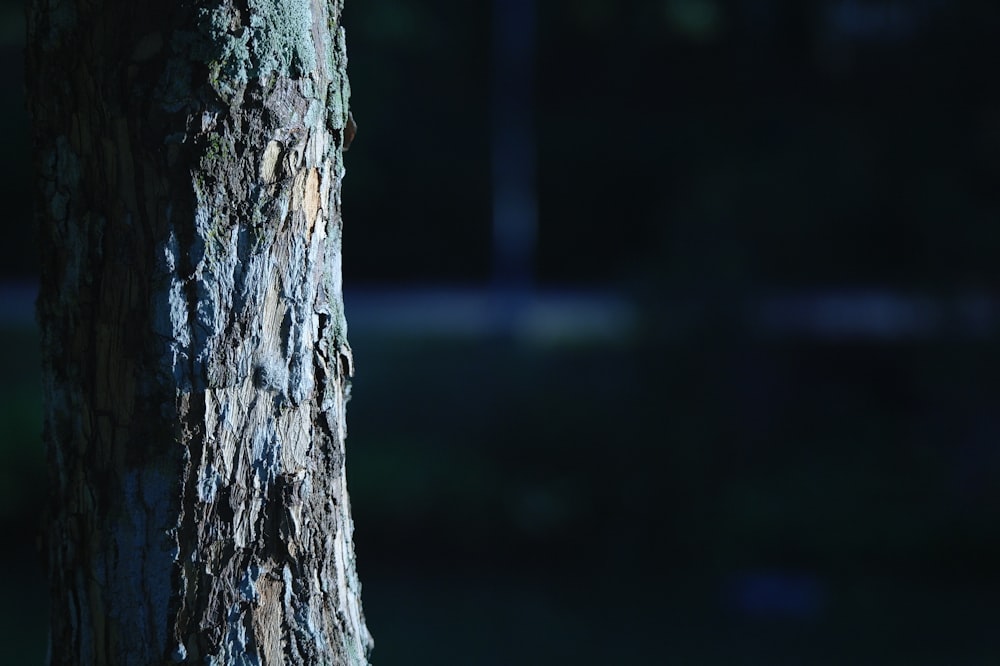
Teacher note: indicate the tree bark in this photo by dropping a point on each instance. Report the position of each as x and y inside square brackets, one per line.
[196, 364]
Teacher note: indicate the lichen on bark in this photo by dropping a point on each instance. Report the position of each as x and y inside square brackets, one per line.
[195, 350]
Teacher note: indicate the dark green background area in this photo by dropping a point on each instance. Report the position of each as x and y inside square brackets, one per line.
[703, 489]
[766, 148]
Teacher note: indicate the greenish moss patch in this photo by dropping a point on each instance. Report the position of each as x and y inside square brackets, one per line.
[283, 37]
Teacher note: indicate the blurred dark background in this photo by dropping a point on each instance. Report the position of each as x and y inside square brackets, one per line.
[676, 325]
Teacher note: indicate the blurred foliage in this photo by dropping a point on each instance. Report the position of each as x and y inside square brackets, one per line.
[727, 456]
[12, 23]
[697, 19]
[645, 476]
[22, 486]
[22, 497]
[805, 145]
[18, 251]
[416, 198]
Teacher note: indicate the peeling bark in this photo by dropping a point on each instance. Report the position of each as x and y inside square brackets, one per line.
[196, 364]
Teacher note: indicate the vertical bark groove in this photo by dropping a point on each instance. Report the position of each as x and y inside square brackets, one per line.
[196, 363]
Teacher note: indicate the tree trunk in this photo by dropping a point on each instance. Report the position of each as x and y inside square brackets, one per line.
[196, 364]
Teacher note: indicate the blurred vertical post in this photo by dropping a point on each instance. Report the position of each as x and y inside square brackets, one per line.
[515, 205]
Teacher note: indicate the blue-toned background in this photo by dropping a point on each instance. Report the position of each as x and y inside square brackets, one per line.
[677, 328]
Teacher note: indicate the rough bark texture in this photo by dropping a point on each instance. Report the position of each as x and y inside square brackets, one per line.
[195, 354]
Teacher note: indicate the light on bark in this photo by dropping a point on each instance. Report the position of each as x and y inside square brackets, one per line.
[196, 364]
